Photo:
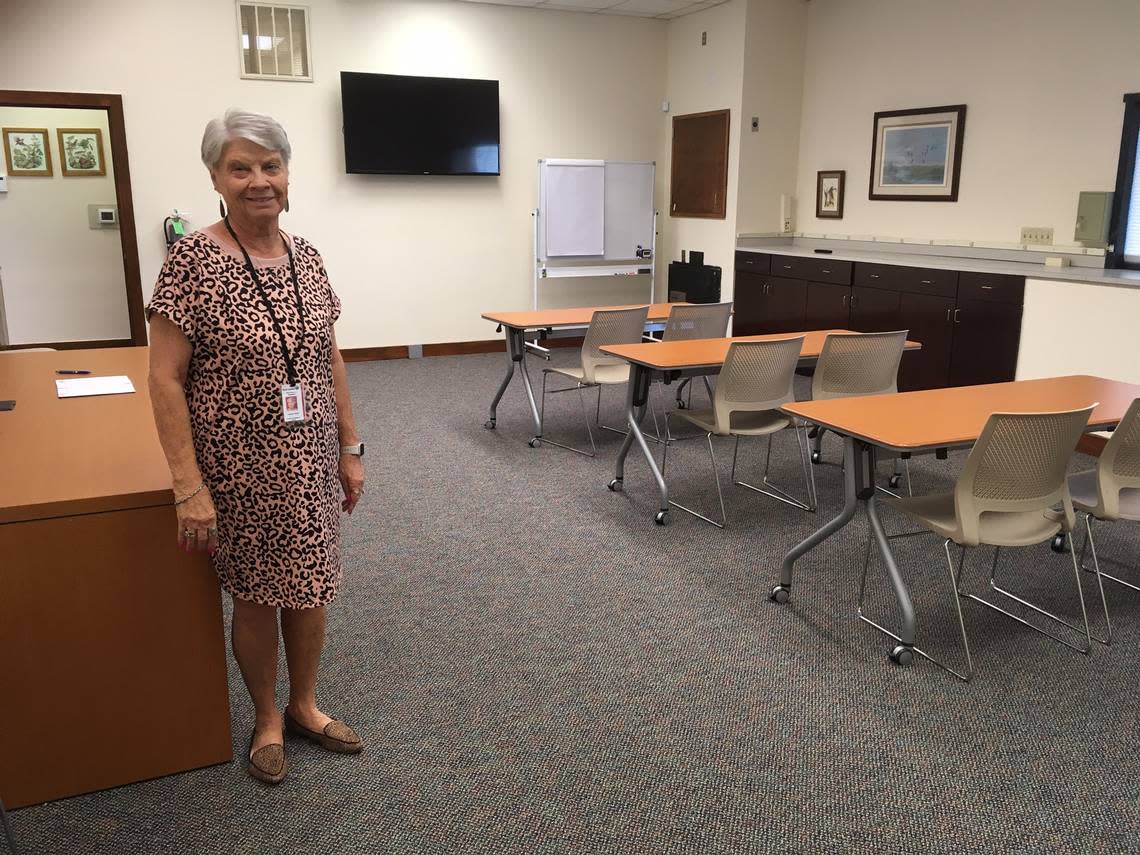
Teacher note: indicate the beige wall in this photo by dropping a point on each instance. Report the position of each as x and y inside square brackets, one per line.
[63, 281]
[772, 92]
[1042, 80]
[699, 78]
[415, 259]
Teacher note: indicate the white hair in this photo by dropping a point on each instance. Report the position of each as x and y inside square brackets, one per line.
[258, 128]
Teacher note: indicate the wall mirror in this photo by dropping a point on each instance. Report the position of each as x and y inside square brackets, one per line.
[69, 265]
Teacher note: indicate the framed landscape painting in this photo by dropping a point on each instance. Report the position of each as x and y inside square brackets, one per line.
[81, 151]
[27, 152]
[916, 155]
[829, 193]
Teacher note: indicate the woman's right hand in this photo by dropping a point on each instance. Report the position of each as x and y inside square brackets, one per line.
[198, 523]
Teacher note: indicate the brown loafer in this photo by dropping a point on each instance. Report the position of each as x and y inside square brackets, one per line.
[337, 736]
[268, 763]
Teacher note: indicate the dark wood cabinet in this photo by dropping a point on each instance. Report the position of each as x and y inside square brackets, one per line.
[986, 338]
[873, 310]
[929, 320]
[828, 306]
[768, 304]
[699, 185]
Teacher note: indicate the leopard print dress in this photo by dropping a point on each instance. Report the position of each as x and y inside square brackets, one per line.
[274, 485]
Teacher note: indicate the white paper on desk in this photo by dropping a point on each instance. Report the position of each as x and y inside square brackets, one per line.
[82, 387]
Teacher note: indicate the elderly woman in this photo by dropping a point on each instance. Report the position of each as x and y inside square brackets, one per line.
[252, 407]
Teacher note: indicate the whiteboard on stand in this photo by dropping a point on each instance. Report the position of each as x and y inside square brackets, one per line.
[595, 210]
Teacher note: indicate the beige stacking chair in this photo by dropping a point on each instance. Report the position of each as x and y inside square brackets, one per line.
[701, 320]
[1013, 480]
[1112, 490]
[855, 365]
[610, 326]
[755, 380]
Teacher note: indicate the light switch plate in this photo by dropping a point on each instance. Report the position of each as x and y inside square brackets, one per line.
[3, 183]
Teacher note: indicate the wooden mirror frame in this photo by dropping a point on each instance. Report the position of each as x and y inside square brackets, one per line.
[113, 104]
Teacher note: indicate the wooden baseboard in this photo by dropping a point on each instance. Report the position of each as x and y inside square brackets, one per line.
[372, 354]
[73, 345]
[447, 348]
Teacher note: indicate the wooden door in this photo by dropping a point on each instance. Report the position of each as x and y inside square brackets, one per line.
[929, 320]
[699, 183]
[873, 310]
[986, 338]
[828, 306]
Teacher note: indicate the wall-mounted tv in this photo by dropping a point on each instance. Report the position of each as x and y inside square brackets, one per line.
[399, 125]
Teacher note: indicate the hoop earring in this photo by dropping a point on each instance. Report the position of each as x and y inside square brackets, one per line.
[222, 207]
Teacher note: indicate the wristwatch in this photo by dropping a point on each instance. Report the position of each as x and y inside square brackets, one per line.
[355, 450]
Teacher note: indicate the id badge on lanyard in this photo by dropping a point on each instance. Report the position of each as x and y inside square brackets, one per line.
[292, 403]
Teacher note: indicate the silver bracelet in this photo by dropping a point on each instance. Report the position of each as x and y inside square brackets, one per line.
[188, 497]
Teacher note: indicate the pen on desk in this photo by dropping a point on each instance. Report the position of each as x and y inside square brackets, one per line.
[72, 371]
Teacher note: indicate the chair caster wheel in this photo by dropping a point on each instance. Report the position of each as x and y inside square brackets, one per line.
[1059, 544]
[893, 482]
[615, 485]
[662, 518]
[780, 594]
[489, 424]
[534, 443]
[816, 457]
[901, 655]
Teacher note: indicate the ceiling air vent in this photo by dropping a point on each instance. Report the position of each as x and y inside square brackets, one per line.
[274, 42]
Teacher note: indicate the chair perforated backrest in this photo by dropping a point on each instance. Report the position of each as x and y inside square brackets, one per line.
[1019, 464]
[1119, 465]
[610, 326]
[863, 364]
[756, 376]
[708, 320]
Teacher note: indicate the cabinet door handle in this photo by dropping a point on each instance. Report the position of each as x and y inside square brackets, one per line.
[956, 313]
[853, 298]
[825, 270]
[845, 301]
[927, 282]
[948, 316]
[987, 287]
[874, 275]
[787, 267]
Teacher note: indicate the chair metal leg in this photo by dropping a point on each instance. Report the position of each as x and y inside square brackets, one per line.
[1088, 540]
[1091, 544]
[593, 452]
[716, 477]
[8, 835]
[708, 388]
[598, 420]
[969, 673]
[772, 490]
[1086, 649]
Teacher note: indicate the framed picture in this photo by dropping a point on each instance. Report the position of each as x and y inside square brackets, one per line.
[916, 155]
[829, 193]
[27, 152]
[81, 151]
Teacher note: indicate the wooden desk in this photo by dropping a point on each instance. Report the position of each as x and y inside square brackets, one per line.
[112, 647]
[515, 326]
[674, 359]
[924, 420]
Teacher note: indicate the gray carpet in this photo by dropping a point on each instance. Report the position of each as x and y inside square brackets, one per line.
[536, 667]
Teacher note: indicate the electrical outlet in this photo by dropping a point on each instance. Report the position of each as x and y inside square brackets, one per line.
[755, 124]
[1040, 235]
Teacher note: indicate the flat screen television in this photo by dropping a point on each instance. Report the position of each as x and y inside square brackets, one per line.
[399, 125]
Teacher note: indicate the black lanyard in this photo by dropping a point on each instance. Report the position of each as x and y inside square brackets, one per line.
[290, 365]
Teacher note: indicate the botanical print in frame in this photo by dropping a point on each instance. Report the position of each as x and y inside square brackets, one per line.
[27, 151]
[829, 193]
[81, 151]
[916, 155]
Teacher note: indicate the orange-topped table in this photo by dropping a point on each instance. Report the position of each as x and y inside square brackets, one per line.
[111, 639]
[515, 326]
[674, 358]
[926, 420]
